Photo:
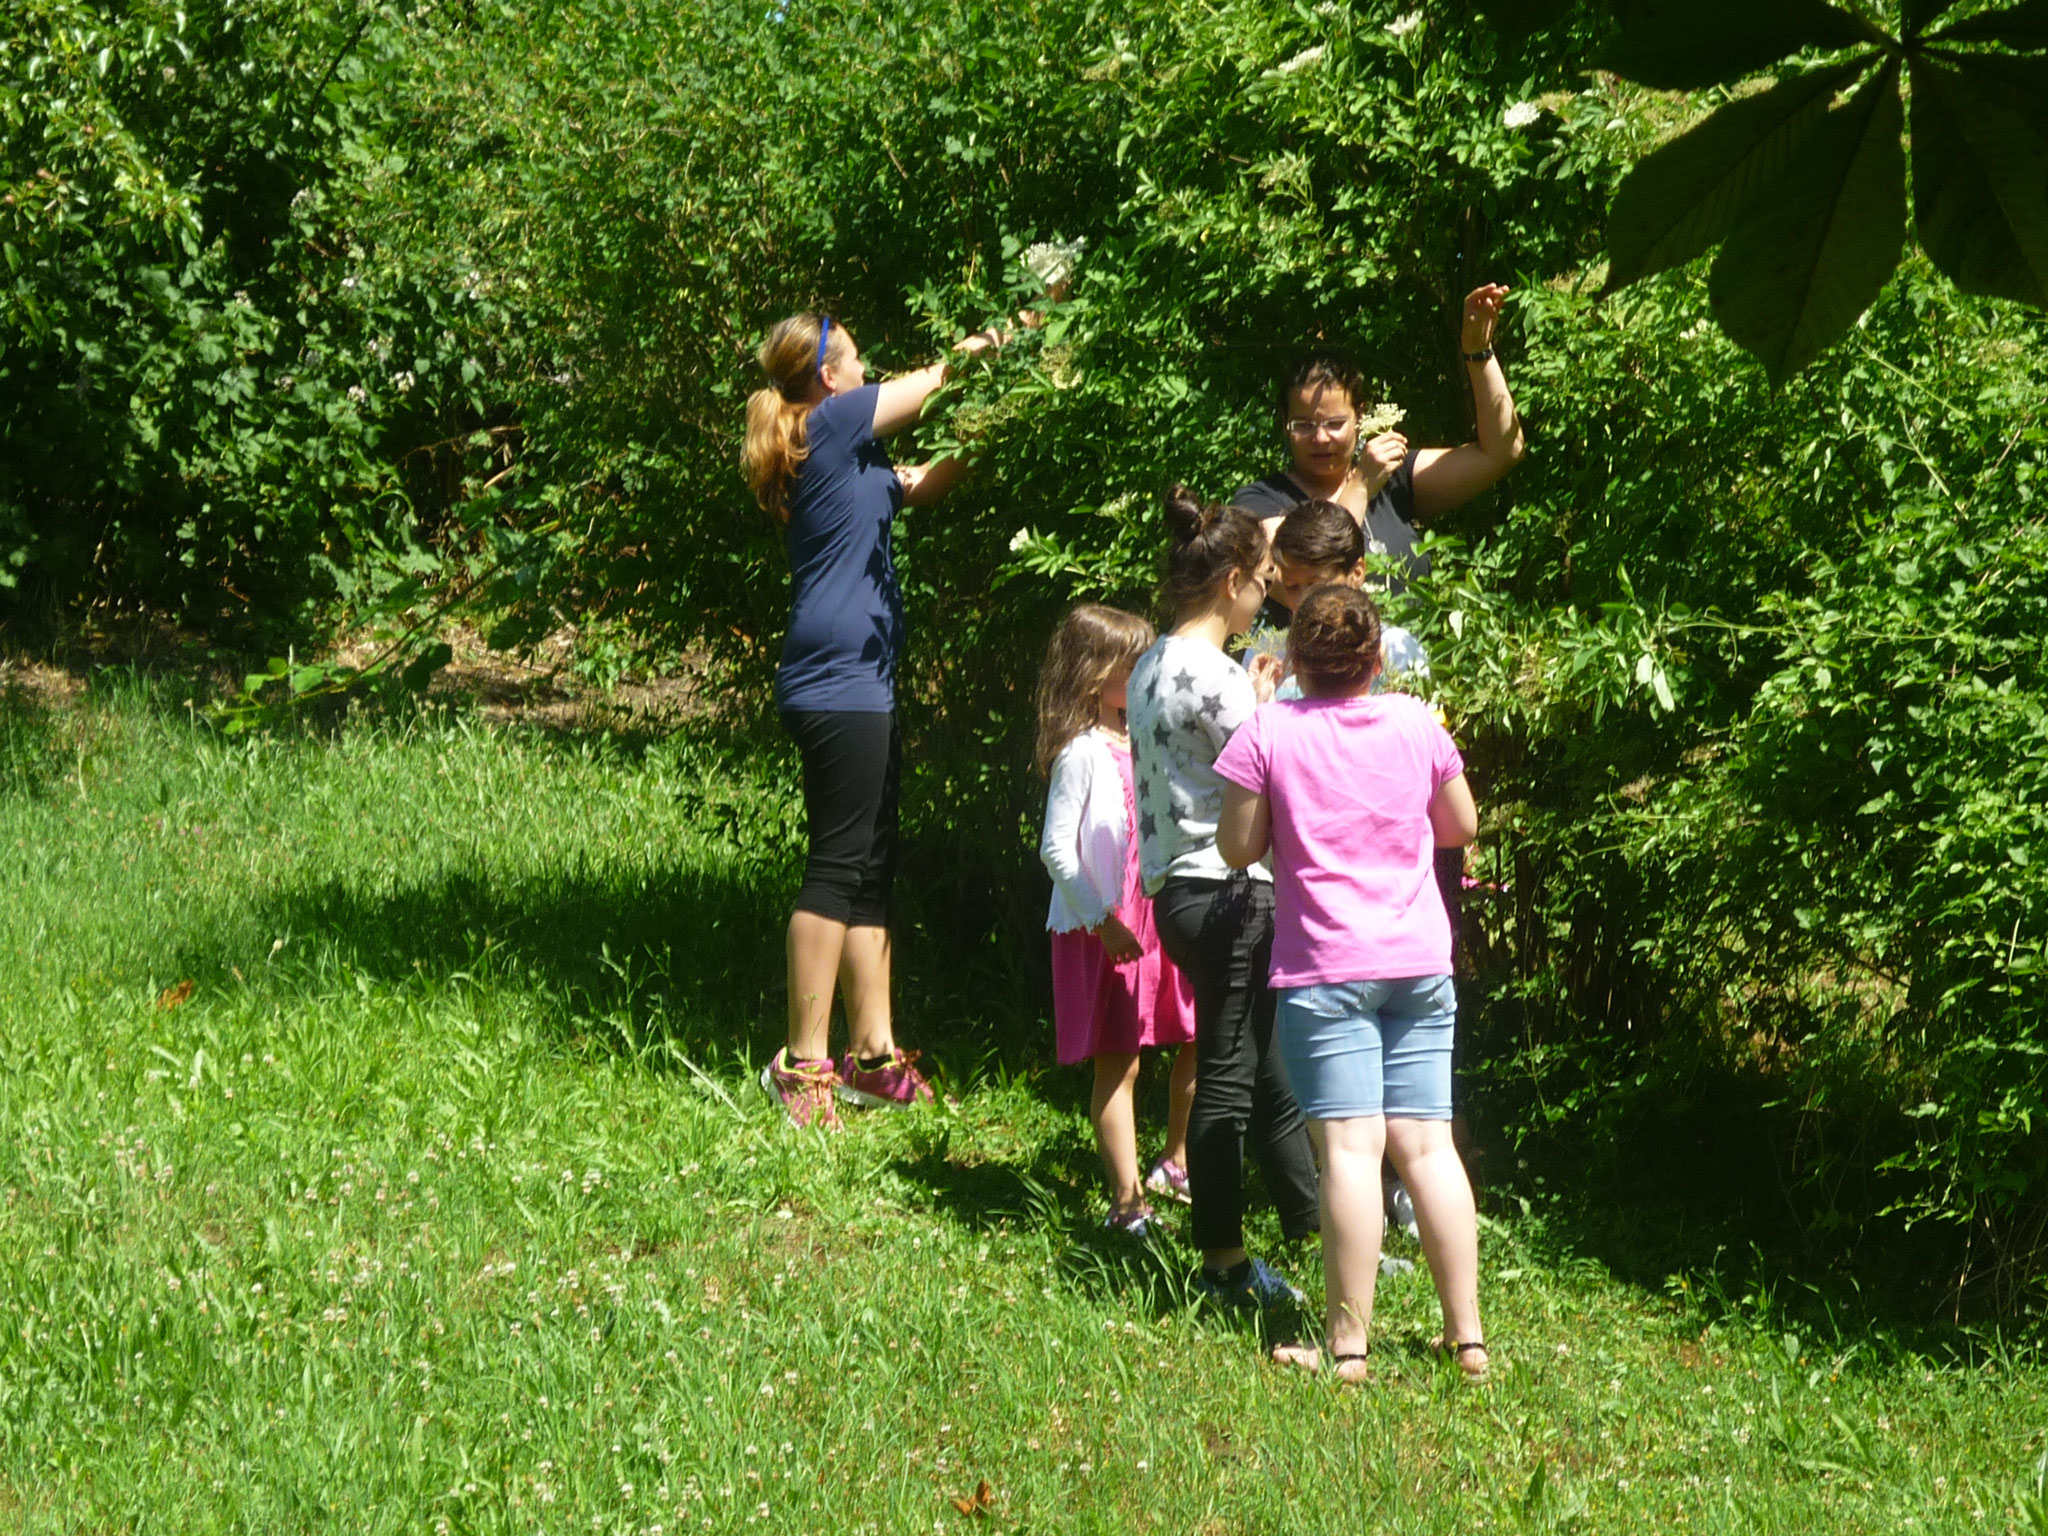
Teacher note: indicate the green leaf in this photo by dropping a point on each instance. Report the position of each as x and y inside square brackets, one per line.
[1517, 19]
[1918, 13]
[1811, 257]
[2023, 26]
[1980, 185]
[422, 668]
[1682, 44]
[1686, 195]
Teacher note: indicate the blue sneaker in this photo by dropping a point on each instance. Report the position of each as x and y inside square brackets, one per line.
[1262, 1286]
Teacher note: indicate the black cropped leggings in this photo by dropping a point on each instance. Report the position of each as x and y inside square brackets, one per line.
[1220, 934]
[853, 764]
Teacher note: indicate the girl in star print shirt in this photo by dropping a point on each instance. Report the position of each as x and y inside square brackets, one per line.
[1185, 699]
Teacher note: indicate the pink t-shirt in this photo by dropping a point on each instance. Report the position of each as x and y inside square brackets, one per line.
[1349, 783]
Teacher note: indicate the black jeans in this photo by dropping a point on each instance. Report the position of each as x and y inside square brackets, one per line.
[1220, 934]
[853, 764]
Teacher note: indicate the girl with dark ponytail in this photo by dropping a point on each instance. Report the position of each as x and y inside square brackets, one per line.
[1185, 699]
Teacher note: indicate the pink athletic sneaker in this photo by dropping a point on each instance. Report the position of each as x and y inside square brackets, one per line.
[893, 1085]
[803, 1089]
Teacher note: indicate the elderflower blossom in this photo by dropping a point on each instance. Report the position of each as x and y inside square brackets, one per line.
[1052, 262]
[1302, 60]
[1382, 418]
[1521, 114]
[1401, 26]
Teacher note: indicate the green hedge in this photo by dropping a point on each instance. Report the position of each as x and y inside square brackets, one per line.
[1749, 678]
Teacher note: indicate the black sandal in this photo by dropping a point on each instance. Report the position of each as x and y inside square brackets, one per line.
[1475, 1372]
[1337, 1368]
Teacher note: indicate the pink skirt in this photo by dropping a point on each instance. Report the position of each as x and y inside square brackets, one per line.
[1104, 1009]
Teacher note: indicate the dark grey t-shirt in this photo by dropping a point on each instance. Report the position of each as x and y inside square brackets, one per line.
[1389, 519]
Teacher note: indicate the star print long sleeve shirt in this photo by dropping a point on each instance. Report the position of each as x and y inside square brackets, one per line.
[1186, 698]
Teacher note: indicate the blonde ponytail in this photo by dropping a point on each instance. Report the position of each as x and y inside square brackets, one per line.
[776, 416]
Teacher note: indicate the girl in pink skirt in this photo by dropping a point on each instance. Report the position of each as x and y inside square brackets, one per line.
[1114, 991]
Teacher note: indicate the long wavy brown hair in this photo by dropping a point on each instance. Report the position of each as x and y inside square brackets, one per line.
[776, 415]
[1090, 644]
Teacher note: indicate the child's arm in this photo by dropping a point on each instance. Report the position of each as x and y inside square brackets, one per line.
[1452, 815]
[1245, 829]
[1059, 848]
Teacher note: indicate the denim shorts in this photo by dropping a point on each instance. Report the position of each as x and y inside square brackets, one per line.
[1360, 1048]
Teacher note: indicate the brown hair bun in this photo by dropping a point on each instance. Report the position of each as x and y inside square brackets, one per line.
[1334, 641]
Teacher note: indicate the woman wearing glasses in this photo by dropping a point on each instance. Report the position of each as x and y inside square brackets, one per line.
[815, 459]
[1383, 482]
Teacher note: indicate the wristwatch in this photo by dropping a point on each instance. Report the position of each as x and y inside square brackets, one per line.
[1483, 355]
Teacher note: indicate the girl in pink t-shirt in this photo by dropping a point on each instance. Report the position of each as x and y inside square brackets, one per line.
[1353, 794]
[1114, 992]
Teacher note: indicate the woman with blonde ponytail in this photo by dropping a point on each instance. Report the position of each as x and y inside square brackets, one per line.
[815, 459]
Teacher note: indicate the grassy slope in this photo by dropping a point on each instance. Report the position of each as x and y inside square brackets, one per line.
[444, 1200]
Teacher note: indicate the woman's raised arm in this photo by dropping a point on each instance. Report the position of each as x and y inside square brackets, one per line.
[901, 401]
[1450, 477]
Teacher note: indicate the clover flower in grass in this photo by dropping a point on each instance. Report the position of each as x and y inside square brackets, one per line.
[1521, 114]
[1301, 60]
[1401, 26]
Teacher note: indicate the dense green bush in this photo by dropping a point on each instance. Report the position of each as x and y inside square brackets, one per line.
[1744, 673]
[215, 398]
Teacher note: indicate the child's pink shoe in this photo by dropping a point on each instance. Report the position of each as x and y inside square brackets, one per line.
[895, 1083]
[1169, 1180]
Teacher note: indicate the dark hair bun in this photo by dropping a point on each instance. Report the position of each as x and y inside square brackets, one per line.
[1186, 518]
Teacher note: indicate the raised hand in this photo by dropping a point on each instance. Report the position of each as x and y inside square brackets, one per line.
[1482, 313]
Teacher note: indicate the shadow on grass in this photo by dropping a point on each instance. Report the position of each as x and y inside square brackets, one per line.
[691, 954]
[1692, 1199]
[32, 741]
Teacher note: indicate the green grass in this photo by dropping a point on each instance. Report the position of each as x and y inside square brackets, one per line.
[445, 1201]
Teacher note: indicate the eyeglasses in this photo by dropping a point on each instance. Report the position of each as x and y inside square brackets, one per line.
[1330, 426]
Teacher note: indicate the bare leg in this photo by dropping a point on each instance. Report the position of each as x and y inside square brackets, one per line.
[816, 945]
[1113, 1109]
[1353, 1224]
[1180, 1099]
[1428, 1163]
[864, 977]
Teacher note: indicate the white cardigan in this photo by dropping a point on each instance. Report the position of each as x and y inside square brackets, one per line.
[1087, 836]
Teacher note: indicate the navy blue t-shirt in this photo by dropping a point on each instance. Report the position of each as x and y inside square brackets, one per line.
[845, 609]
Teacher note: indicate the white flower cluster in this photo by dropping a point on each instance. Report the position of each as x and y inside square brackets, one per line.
[1382, 418]
[1053, 262]
[1022, 540]
[1521, 114]
[1401, 26]
[1302, 60]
